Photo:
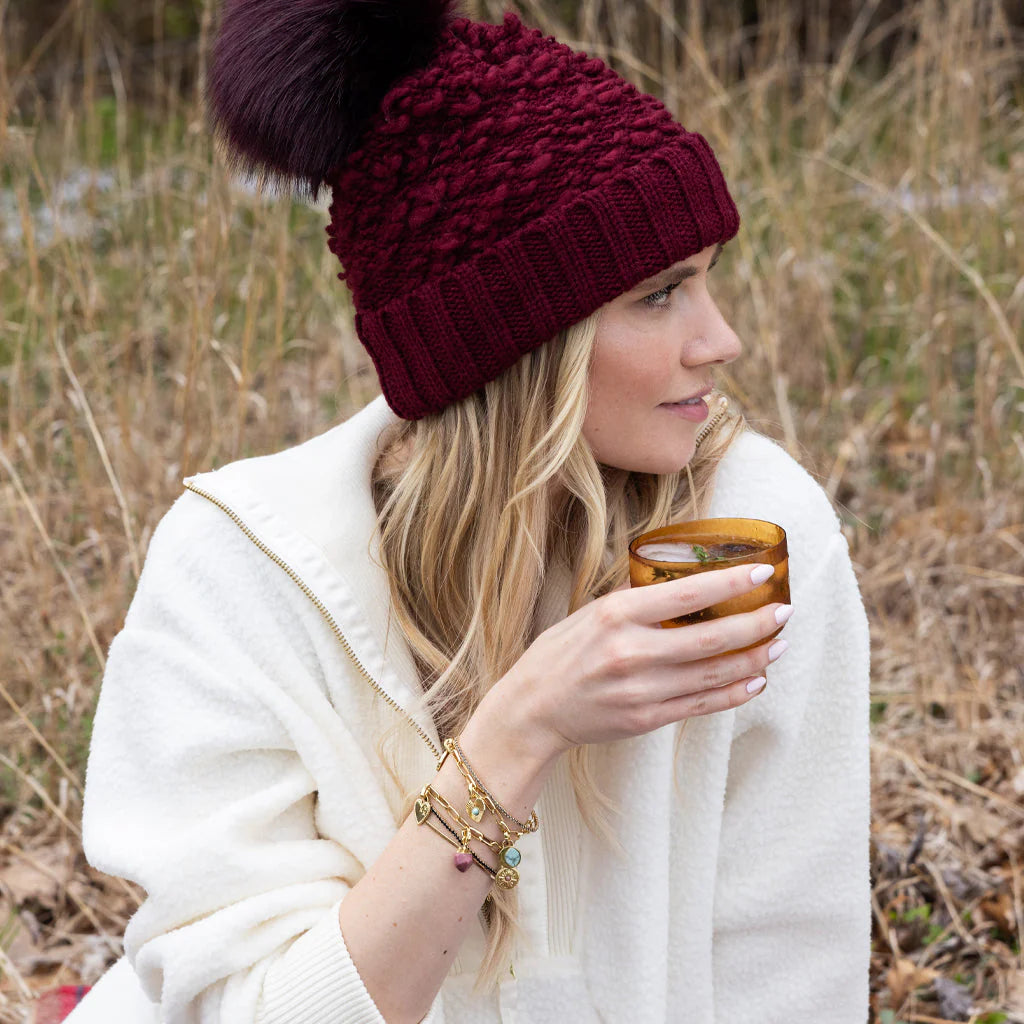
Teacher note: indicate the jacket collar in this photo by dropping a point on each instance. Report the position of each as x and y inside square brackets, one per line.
[311, 508]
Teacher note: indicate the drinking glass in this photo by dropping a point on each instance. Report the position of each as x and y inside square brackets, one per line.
[703, 545]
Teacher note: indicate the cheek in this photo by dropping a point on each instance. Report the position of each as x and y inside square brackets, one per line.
[619, 373]
[622, 391]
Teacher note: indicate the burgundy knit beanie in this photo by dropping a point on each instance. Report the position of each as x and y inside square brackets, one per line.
[490, 185]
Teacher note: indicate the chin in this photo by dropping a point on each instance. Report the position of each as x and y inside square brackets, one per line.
[673, 460]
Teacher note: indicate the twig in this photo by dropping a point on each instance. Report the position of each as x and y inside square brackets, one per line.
[42, 794]
[943, 246]
[934, 947]
[48, 541]
[1018, 906]
[993, 575]
[86, 910]
[11, 971]
[927, 766]
[45, 797]
[947, 898]
[133, 548]
[883, 926]
[40, 738]
[925, 1019]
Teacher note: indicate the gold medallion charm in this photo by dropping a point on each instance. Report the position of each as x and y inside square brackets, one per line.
[510, 856]
[507, 878]
[422, 809]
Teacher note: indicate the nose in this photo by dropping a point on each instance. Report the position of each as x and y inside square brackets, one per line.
[714, 340]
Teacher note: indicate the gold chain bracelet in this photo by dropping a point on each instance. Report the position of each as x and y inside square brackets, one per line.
[451, 745]
[450, 836]
[507, 877]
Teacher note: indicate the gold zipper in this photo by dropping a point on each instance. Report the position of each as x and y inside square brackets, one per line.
[716, 418]
[301, 584]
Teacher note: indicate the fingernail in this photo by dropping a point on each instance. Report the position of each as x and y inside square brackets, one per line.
[761, 573]
[756, 684]
[777, 650]
[782, 613]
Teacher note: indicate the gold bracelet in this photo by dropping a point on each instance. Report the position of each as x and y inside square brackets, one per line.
[463, 855]
[451, 746]
[465, 826]
[508, 856]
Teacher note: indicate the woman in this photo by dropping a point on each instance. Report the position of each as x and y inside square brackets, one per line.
[528, 241]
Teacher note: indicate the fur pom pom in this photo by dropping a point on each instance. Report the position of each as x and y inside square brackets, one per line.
[294, 82]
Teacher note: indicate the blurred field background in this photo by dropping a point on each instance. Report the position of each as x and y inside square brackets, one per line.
[157, 318]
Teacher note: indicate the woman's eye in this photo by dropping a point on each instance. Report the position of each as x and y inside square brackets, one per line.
[660, 297]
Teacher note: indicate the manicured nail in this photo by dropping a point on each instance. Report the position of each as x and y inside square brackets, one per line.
[756, 684]
[777, 650]
[761, 573]
[782, 613]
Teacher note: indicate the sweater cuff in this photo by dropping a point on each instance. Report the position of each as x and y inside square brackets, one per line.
[315, 982]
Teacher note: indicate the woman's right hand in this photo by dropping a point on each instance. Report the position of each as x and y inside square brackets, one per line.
[609, 671]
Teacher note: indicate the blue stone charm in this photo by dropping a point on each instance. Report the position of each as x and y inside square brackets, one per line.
[511, 857]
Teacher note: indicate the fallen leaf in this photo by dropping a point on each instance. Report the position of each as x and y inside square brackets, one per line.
[999, 909]
[903, 977]
[40, 875]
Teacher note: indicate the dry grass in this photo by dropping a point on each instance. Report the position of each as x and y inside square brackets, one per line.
[154, 320]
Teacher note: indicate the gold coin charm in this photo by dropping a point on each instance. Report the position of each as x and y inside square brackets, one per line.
[507, 878]
[422, 809]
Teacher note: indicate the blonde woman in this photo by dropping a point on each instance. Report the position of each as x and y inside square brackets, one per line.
[529, 242]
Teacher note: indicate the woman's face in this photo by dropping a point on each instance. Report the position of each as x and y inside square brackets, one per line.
[656, 346]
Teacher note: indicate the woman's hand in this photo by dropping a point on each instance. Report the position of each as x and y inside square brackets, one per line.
[609, 671]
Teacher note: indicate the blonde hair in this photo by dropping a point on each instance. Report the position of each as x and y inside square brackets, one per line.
[487, 495]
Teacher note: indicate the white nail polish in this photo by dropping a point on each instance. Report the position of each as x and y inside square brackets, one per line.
[756, 684]
[782, 613]
[760, 573]
[777, 650]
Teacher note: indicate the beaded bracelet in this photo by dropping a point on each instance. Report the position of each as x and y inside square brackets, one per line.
[463, 855]
[508, 856]
[455, 836]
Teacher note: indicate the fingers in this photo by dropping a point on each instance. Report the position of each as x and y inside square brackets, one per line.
[661, 601]
[717, 636]
[707, 702]
[713, 673]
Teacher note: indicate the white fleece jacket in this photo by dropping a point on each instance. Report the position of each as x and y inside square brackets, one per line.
[235, 774]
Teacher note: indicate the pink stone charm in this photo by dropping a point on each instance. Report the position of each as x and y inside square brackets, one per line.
[463, 860]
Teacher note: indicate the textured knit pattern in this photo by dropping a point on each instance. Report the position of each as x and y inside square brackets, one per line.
[504, 192]
[235, 775]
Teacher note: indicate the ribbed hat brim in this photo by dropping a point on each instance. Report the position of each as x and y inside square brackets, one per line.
[434, 345]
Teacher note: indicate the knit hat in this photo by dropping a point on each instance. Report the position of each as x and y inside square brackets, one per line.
[490, 186]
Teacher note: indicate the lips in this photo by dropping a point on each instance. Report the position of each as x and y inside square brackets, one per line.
[693, 399]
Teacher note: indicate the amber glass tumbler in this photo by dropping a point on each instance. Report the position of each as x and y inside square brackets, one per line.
[708, 537]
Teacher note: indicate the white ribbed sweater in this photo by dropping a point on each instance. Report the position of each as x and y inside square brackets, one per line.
[235, 774]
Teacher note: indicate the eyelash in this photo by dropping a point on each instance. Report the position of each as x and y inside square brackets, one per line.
[666, 291]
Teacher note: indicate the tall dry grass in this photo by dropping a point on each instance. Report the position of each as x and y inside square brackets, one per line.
[156, 318]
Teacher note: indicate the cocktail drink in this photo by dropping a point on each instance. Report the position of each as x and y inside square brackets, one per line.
[703, 545]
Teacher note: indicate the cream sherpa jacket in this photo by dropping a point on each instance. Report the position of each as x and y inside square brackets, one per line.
[236, 775]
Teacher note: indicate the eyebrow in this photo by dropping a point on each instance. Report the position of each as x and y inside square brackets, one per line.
[674, 274]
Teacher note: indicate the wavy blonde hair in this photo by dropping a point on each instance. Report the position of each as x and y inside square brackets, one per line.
[477, 502]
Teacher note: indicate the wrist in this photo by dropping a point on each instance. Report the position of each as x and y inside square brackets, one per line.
[507, 751]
